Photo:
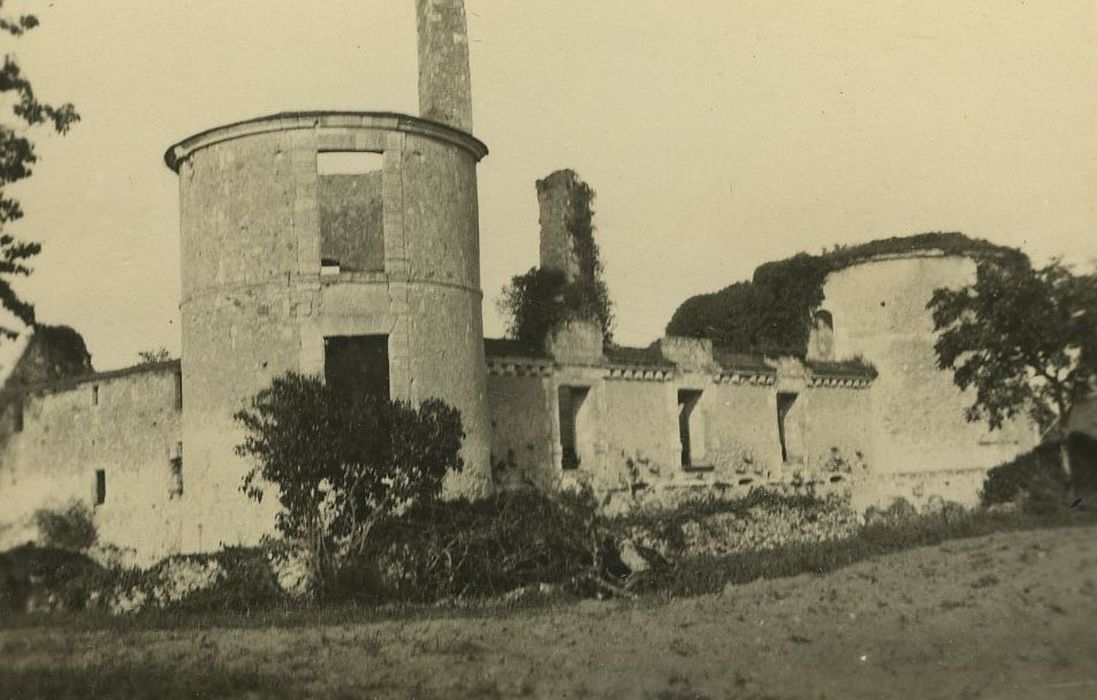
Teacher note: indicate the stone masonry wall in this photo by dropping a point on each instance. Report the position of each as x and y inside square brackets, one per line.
[919, 425]
[924, 444]
[351, 220]
[126, 424]
[522, 431]
[636, 450]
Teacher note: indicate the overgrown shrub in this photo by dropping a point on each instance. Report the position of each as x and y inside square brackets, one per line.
[487, 548]
[343, 464]
[233, 580]
[1037, 480]
[522, 539]
[70, 527]
[52, 575]
[243, 582]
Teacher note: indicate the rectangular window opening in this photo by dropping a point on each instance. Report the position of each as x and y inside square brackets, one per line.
[572, 414]
[175, 489]
[787, 427]
[357, 365]
[100, 487]
[94, 394]
[179, 389]
[351, 203]
[691, 429]
[17, 414]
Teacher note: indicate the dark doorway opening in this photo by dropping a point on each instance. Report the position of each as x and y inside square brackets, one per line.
[357, 365]
[785, 402]
[687, 420]
[571, 399]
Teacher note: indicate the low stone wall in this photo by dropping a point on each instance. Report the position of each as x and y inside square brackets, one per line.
[924, 490]
[772, 522]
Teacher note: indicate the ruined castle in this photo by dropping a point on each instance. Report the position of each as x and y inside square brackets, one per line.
[346, 244]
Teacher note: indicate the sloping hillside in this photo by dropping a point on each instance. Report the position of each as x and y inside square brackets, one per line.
[1005, 616]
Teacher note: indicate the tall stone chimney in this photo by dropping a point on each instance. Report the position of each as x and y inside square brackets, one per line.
[445, 93]
[558, 200]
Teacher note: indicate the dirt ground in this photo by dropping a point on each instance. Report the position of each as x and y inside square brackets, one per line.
[1007, 616]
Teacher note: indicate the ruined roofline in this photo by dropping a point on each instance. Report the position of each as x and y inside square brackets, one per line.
[287, 121]
[503, 350]
[922, 253]
[73, 382]
[934, 244]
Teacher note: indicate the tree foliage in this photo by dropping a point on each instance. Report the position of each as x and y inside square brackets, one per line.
[343, 465]
[772, 313]
[1024, 339]
[541, 300]
[17, 155]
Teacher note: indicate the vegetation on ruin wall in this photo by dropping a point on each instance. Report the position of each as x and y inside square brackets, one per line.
[540, 300]
[772, 313]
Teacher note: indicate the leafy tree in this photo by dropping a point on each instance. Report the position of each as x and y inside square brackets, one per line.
[1024, 339]
[153, 357]
[17, 155]
[344, 465]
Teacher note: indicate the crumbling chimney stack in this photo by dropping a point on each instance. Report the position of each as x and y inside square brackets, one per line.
[558, 200]
[445, 92]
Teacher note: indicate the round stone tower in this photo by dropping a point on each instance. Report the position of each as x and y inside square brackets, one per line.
[878, 311]
[341, 244]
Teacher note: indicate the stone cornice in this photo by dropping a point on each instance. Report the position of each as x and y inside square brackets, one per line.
[640, 373]
[285, 121]
[750, 377]
[519, 367]
[821, 381]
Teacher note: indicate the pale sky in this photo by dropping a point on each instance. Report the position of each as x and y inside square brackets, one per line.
[718, 134]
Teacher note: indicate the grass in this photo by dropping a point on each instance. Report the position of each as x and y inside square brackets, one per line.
[137, 681]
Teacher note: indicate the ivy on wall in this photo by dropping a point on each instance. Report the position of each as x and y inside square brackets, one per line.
[772, 313]
[540, 300]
